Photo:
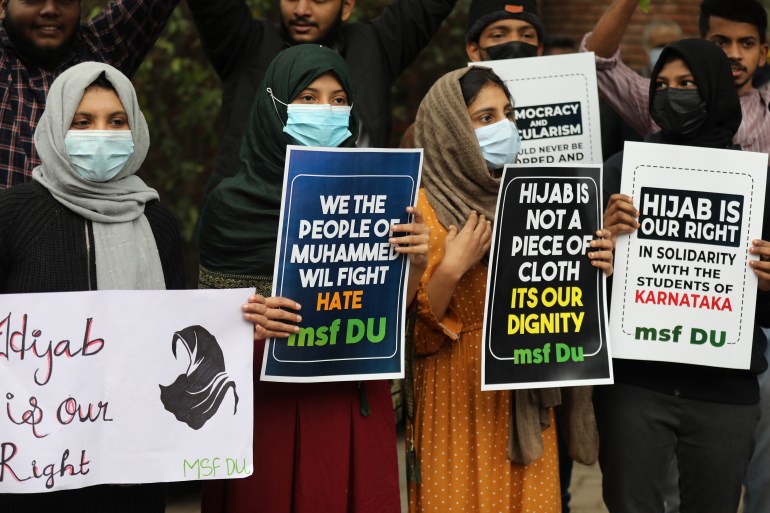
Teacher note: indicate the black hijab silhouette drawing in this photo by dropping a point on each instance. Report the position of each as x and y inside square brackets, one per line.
[194, 397]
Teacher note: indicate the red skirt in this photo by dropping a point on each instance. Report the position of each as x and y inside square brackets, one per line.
[314, 452]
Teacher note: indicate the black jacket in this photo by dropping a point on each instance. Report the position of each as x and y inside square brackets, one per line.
[240, 48]
[43, 246]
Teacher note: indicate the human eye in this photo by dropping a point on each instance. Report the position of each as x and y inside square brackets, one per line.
[689, 84]
[748, 43]
[339, 100]
[80, 123]
[306, 98]
[719, 41]
[486, 118]
[659, 86]
[118, 122]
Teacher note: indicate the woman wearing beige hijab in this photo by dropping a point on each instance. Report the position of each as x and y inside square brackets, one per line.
[460, 458]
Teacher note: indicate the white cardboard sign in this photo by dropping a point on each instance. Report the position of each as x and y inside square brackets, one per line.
[124, 387]
[683, 290]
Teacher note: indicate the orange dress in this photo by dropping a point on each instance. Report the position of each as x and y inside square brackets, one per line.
[460, 433]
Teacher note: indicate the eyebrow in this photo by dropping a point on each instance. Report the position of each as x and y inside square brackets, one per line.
[740, 38]
[498, 26]
[482, 111]
[316, 90]
[89, 114]
[687, 76]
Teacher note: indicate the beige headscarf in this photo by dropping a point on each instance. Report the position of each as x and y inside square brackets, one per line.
[126, 253]
[454, 172]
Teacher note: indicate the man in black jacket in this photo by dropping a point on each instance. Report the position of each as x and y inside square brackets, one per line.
[241, 47]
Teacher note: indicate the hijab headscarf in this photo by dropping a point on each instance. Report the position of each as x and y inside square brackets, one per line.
[125, 249]
[239, 223]
[712, 72]
[454, 173]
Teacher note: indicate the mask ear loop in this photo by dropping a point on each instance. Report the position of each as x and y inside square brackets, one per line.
[270, 92]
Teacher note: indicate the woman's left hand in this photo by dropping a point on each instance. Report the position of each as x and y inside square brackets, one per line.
[602, 251]
[761, 267]
[415, 244]
[268, 315]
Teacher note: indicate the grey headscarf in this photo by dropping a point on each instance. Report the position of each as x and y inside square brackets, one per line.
[126, 253]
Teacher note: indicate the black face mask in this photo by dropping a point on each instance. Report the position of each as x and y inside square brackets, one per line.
[512, 50]
[679, 112]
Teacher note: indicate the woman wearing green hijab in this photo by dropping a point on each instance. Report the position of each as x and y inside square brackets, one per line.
[316, 446]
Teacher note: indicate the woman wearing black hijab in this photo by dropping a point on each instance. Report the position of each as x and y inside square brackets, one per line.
[658, 411]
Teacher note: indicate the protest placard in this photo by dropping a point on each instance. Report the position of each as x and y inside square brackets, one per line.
[556, 104]
[683, 290]
[124, 387]
[545, 321]
[335, 260]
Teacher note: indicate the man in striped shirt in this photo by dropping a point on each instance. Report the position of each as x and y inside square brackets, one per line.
[738, 26]
[41, 38]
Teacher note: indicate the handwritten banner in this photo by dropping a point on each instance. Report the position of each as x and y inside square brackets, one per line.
[545, 322]
[683, 291]
[557, 113]
[334, 259]
[124, 387]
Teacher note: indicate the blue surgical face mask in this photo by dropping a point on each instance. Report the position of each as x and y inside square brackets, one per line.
[500, 143]
[99, 155]
[318, 125]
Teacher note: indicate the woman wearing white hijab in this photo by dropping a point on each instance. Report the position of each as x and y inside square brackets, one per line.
[86, 222]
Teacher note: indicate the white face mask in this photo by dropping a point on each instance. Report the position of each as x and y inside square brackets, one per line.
[99, 155]
[500, 143]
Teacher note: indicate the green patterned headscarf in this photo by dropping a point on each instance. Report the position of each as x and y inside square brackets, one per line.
[239, 223]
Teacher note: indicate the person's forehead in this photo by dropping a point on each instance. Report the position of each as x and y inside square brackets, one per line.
[731, 29]
[507, 24]
[675, 67]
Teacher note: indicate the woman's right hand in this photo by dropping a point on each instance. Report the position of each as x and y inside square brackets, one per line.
[268, 315]
[620, 216]
[464, 248]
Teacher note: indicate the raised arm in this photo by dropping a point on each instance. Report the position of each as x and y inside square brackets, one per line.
[406, 26]
[228, 32]
[125, 31]
[624, 90]
[605, 39]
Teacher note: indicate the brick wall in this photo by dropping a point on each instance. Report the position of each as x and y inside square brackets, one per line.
[573, 18]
